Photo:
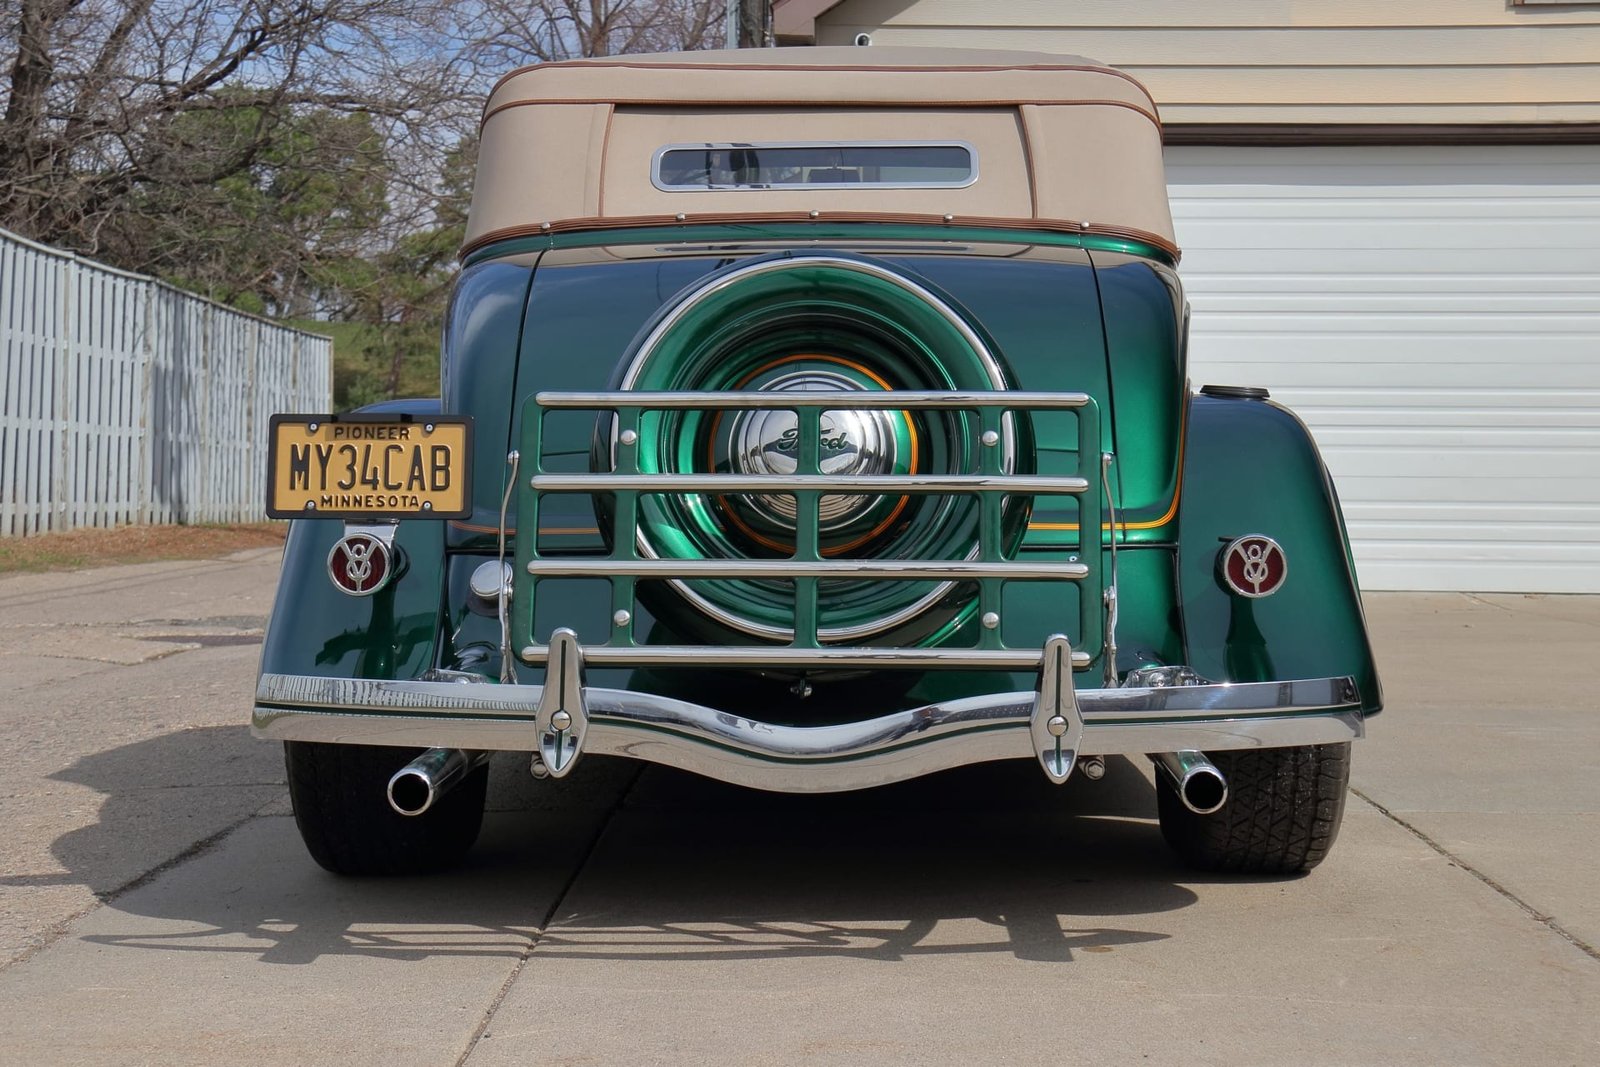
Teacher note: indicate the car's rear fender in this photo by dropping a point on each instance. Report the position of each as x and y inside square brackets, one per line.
[1251, 467]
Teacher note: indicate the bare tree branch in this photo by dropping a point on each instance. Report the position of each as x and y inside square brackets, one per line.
[286, 154]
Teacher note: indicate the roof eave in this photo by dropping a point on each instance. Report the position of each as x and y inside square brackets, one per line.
[795, 21]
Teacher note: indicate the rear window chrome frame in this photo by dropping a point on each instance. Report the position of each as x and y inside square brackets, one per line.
[660, 154]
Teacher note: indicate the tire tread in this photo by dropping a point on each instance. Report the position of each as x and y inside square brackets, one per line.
[338, 795]
[1283, 813]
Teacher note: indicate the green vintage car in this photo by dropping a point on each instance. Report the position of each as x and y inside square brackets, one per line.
[812, 420]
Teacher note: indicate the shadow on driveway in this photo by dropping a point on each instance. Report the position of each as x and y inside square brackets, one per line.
[623, 864]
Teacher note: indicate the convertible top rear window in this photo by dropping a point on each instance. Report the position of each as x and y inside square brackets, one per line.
[815, 165]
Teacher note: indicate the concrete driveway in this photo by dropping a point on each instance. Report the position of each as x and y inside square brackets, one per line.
[156, 905]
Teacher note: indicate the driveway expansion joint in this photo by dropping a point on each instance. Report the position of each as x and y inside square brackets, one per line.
[578, 868]
[1532, 912]
[55, 933]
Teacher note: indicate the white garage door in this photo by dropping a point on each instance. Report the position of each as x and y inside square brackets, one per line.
[1434, 315]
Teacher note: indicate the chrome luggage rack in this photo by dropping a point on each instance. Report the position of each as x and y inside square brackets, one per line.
[989, 567]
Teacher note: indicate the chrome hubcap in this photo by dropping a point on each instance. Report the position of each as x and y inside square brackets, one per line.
[853, 443]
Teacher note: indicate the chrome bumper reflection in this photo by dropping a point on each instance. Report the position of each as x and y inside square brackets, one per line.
[855, 755]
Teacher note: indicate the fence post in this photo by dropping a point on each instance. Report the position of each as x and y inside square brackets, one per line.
[10, 399]
[244, 504]
[60, 484]
[204, 423]
[141, 411]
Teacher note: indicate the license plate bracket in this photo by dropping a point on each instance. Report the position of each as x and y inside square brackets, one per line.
[364, 467]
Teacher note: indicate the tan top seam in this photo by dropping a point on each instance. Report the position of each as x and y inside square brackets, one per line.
[974, 68]
[985, 221]
[726, 105]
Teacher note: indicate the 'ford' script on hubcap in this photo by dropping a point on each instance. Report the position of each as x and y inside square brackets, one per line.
[833, 443]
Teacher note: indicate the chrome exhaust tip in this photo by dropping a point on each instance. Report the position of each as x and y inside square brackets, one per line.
[1200, 785]
[417, 786]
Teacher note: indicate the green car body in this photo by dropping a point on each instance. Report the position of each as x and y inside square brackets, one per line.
[560, 347]
[1192, 471]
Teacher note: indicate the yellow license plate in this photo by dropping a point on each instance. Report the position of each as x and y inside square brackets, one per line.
[354, 467]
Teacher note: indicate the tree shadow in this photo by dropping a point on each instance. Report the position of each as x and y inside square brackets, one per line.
[990, 858]
[622, 863]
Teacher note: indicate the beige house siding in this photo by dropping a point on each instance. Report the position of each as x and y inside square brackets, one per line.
[1277, 61]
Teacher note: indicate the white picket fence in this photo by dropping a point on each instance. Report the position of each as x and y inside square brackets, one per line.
[126, 400]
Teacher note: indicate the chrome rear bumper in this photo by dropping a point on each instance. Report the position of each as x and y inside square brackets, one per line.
[565, 718]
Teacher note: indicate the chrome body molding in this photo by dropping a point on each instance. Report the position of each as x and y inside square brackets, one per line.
[853, 755]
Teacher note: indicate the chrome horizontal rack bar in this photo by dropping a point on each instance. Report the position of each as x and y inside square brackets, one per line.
[1023, 484]
[778, 656]
[854, 400]
[910, 570]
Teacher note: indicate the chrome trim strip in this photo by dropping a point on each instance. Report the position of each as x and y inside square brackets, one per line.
[856, 755]
[885, 484]
[866, 400]
[918, 570]
[1017, 659]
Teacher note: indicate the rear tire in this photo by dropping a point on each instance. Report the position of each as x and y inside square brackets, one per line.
[1282, 816]
[342, 810]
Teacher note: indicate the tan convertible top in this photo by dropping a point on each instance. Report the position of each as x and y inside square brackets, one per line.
[1060, 142]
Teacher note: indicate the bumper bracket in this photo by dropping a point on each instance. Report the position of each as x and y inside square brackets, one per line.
[1056, 725]
[562, 718]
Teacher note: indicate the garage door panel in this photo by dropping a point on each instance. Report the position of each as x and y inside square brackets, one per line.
[1345, 398]
[1487, 552]
[1492, 338]
[1313, 367]
[1390, 240]
[1489, 575]
[1581, 557]
[1281, 220]
[1374, 259]
[1580, 442]
[1293, 171]
[1330, 299]
[1525, 289]
[1434, 316]
[1513, 536]
[1455, 462]
[1539, 419]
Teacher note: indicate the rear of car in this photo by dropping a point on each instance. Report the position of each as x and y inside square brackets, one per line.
[814, 422]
